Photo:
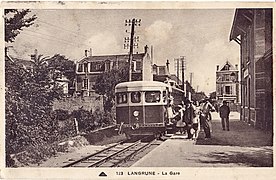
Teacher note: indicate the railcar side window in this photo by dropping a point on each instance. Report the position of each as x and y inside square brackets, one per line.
[136, 97]
[152, 96]
[121, 98]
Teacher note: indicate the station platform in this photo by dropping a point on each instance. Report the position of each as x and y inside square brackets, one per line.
[232, 148]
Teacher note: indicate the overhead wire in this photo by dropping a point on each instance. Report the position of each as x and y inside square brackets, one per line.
[61, 28]
[49, 39]
[53, 37]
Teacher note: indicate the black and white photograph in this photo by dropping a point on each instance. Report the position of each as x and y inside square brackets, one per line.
[125, 90]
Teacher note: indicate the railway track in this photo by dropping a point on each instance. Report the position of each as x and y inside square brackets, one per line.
[113, 155]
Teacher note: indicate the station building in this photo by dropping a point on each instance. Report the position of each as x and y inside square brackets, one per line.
[252, 30]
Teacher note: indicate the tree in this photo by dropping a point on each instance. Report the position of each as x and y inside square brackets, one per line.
[198, 96]
[15, 21]
[106, 82]
[213, 95]
[60, 65]
[29, 97]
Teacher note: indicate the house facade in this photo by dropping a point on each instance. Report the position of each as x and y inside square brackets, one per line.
[252, 30]
[227, 85]
[90, 67]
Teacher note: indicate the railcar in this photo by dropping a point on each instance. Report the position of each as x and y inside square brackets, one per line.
[141, 106]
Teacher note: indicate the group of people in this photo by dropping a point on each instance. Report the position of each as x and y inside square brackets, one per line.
[190, 116]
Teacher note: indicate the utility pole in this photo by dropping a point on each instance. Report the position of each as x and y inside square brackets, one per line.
[134, 22]
[191, 78]
[177, 71]
[176, 67]
[183, 67]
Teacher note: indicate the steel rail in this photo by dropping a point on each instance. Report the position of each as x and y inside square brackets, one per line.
[103, 160]
[91, 155]
[133, 153]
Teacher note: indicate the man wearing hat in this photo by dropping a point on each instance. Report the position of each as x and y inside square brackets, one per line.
[224, 112]
[189, 115]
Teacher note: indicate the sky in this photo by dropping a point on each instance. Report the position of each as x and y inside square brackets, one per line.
[201, 35]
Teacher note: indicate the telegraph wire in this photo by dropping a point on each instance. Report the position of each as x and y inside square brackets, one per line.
[53, 37]
[50, 39]
[61, 28]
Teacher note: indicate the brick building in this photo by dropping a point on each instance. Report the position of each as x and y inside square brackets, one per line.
[226, 87]
[90, 67]
[252, 30]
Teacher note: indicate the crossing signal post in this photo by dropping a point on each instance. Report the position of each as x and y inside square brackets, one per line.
[129, 42]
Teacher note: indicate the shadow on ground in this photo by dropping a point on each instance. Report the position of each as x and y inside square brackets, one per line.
[240, 134]
[252, 158]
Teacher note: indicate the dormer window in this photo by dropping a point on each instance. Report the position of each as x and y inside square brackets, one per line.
[226, 67]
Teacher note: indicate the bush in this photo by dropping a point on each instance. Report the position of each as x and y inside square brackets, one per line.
[102, 119]
[61, 114]
[89, 121]
[85, 119]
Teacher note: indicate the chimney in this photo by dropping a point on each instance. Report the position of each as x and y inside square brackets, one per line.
[90, 52]
[85, 53]
[167, 64]
[217, 67]
[146, 49]
[151, 54]
[236, 65]
[35, 55]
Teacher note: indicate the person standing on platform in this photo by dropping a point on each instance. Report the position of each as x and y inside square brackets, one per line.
[170, 111]
[207, 109]
[205, 117]
[224, 112]
[189, 115]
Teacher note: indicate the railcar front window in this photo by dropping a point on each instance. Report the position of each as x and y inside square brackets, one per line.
[121, 98]
[136, 97]
[152, 96]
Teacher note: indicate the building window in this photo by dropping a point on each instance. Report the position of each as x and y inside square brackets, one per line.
[80, 67]
[227, 77]
[133, 66]
[85, 84]
[107, 65]
[227, 90]
[85, 67]
[97, 67]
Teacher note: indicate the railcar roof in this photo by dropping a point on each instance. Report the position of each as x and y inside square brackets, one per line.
[137, 84]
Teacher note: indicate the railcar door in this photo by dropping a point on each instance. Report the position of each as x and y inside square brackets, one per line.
[122, 108]
[154, 107]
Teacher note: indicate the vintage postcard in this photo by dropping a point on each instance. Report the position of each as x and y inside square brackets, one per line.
[137, 90]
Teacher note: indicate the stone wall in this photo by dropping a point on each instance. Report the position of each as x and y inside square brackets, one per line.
[74, 103]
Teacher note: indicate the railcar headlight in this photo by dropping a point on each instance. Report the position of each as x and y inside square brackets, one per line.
[135, 113]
